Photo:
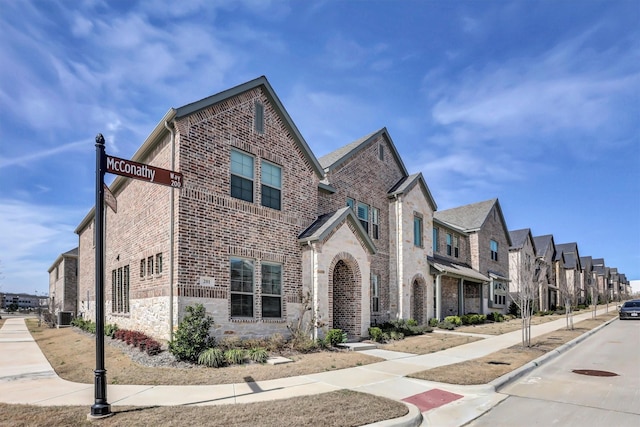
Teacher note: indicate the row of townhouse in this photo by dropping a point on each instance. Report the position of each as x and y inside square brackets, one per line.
[264, 233]
[559, 274]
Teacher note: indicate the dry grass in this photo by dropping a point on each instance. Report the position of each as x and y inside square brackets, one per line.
[507, 326]
[428, 343]
[71, 353]
[339, 408]
[486, 369]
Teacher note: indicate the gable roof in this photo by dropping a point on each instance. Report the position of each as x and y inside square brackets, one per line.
[571, 255]
[447, 267]
[262, 82]
[408, 182]
[519, 237]
[472, 217]
[73, 253]
[543, 243]
[160, 131]
[325, 224]
[336, 158]
[587, 263]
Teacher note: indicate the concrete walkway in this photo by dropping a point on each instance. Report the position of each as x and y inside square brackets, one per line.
[26, 377]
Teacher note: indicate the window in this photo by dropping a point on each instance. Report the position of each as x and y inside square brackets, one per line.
[57, 273]
[351, 203]
[150, 266]
[159, 263]
[499, 293]
[241, 176]
[417, 231]
[435, 239]
[143, 267]
[375, 223]
[449, 244]
[494, 250]
[271, 184]
[456, 246]
[381, 152]
[241, 288]
[363, 216]
[375, 293]
[259, 117]
[120, 290]
[271, 290]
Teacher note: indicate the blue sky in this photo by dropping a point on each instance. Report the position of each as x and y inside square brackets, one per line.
[536, 103]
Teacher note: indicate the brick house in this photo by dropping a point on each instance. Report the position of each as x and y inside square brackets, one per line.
[262, 233]
[489, 243]
[545, 254]
[523, 274]
[63, 283]
[588, 279]
[569, 267]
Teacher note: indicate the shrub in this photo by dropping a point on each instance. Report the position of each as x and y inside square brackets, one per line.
[304, 344]
[152, 347]
[473, 319]
[192, 336]
[212, 357]
[433, 322]
[412, 322]
[375, 333]
[275, 342]
[396, 335]
[235, 356]
[110, 330]
[495, 317]
[258, 354]
[335, 337]
[454, 320]
[447, 325]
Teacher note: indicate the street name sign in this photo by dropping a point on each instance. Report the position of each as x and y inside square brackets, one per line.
[143, 172]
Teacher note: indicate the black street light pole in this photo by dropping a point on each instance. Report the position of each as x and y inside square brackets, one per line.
[101, 407]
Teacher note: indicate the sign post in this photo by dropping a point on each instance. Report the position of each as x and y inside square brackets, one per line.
[105, 163]
[101, 407]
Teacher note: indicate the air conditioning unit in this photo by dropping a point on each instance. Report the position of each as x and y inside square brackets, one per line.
[64, 318]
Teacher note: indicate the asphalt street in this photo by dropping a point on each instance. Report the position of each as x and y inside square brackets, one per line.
[555, 395]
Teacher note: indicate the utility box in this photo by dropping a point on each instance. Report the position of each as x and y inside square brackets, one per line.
[64, 318]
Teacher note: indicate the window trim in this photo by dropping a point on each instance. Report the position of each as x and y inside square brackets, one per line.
[258, 122]
[375, 223]
[375, 293]
[449, 242]
[263, 294]
[270, 186]
[418, 239]
[494, 253]
[241, 176]
[233, 292]
[436, 236]
[363, 221]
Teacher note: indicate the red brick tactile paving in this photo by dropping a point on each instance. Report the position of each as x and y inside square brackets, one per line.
[432, 399]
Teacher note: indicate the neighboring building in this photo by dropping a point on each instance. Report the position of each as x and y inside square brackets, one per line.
[545, 271]
[63, 283]
[22, 301]
[262, 232]
[589, 279]
[458, 285]
[522, 267]
[569, 267]
[489, 244]
[602, 278]
[616, 288]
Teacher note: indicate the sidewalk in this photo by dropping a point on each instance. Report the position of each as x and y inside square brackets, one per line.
[26, 377]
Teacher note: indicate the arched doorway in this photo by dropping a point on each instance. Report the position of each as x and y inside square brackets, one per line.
[418, 300]
[346, 295]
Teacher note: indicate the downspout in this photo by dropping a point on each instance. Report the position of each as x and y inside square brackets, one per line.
[171, 229]
[314, 297]
[399, 277]
[438, 313]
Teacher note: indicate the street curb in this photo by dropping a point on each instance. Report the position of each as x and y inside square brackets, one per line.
[510, 377]
[412, 419]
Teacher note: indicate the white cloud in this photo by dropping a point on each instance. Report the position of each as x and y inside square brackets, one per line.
[32, 238]
[41, 154]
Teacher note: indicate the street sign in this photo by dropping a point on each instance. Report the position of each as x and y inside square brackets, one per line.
[110, 200]
[143, 172]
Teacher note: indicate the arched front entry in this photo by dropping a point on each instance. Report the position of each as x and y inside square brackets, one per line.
[418, 299]
[345, 294]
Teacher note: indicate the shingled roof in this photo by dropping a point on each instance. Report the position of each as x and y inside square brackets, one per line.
[519, 237]
[472, 217]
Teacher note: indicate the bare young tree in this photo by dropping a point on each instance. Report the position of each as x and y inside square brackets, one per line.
[524, 293]
[566, 293]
